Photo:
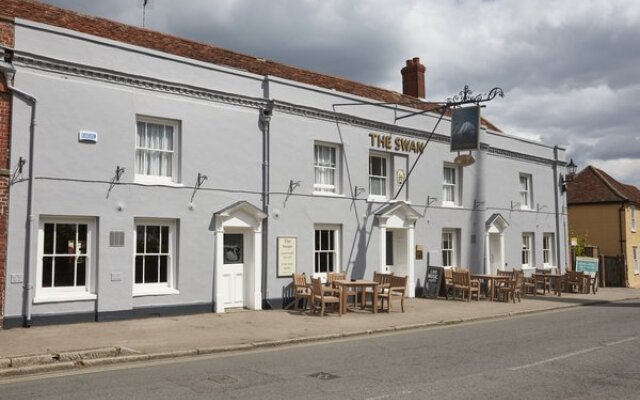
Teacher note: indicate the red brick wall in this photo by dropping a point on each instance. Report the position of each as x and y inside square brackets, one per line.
[6, 39]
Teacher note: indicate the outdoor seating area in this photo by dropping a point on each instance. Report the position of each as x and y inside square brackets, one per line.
[511, 285]
[385, 292]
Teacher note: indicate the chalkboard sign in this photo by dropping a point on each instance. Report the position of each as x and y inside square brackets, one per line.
[433, 282]
[587, 265]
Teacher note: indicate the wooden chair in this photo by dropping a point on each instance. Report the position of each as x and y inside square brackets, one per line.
[383, 283]
[529, 285]
[574, 281]
[396, 290]
[462, 284]
[301, 291]
[541, 281]
[448, 282]
[513, 288]
[590, 283]
[323, 295]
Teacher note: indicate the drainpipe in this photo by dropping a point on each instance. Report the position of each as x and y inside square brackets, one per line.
[9, 72]
[623, 243]
[556, 189]
[265, 122]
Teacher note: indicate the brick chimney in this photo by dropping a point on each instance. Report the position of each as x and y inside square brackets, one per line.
[413, 78]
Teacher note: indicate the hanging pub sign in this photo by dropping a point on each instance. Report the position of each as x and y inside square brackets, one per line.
[465, 128]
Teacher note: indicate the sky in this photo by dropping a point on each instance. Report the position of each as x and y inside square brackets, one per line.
[570, 69]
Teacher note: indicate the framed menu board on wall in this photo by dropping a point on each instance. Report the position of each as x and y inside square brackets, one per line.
[287, 255]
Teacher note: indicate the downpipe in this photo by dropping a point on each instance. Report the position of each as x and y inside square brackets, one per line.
[9, 73]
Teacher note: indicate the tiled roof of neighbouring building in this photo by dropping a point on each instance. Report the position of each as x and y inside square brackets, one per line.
[592, 185]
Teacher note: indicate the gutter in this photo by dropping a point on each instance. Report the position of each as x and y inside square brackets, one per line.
[9, 73]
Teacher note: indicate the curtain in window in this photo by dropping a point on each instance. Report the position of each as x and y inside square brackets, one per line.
[449, 184]
[325, 167]
[154, 154]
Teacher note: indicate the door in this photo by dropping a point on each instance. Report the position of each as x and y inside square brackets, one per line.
[495, 252]
[396, 252]
[233, 270]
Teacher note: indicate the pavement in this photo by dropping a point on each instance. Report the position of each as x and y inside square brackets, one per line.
[44, 349]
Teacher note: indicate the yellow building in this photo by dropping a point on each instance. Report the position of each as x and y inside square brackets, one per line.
[605, 212]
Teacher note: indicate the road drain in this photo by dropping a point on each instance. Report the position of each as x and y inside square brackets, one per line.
[325, 376]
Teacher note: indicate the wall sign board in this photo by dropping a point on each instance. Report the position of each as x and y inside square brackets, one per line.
[287, 253]
[588, 265]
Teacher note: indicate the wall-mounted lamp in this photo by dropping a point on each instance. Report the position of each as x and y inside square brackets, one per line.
[293, 185]
[571, 172]
[199, 181]
[115, 179]
[431, 200]
[357, 191]
[17, 172]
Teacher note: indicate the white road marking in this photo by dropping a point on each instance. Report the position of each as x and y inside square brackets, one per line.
[621, 341]
[387, 396]
[575, 353]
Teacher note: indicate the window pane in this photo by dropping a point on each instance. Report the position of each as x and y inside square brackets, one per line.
[153, 239]
[317, 240]
[151, 269]
[48, 238]
[322, 265]
[65, 238]
[163, 268]
[140, 238]
[233, 248]
[168, 137]
[375, 187]
[64, 271]
[164, 247]
[82, 238]
[139, 268]
[140, 137]
[81, 269]
[47, 271]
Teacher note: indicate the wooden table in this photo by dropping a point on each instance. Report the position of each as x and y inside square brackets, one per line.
[358, 284]
[491, 282]
[557, 281]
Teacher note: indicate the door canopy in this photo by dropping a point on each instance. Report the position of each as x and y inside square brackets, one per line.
[239, 215]
[496, 224]
[398, 215]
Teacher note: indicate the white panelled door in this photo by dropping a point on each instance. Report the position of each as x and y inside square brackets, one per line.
[233, 270]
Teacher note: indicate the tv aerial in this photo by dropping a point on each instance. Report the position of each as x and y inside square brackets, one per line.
[144, 4]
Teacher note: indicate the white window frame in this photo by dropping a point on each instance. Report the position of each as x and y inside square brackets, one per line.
[157, 288]
[526, 191]
[451, 187]
[384, 178]
[634, 219]
[326, 188]
[451, 235]
[636, 262]
[335, 251]
[548, 247]
[143, 178]
[67, 293]
[527, 250]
